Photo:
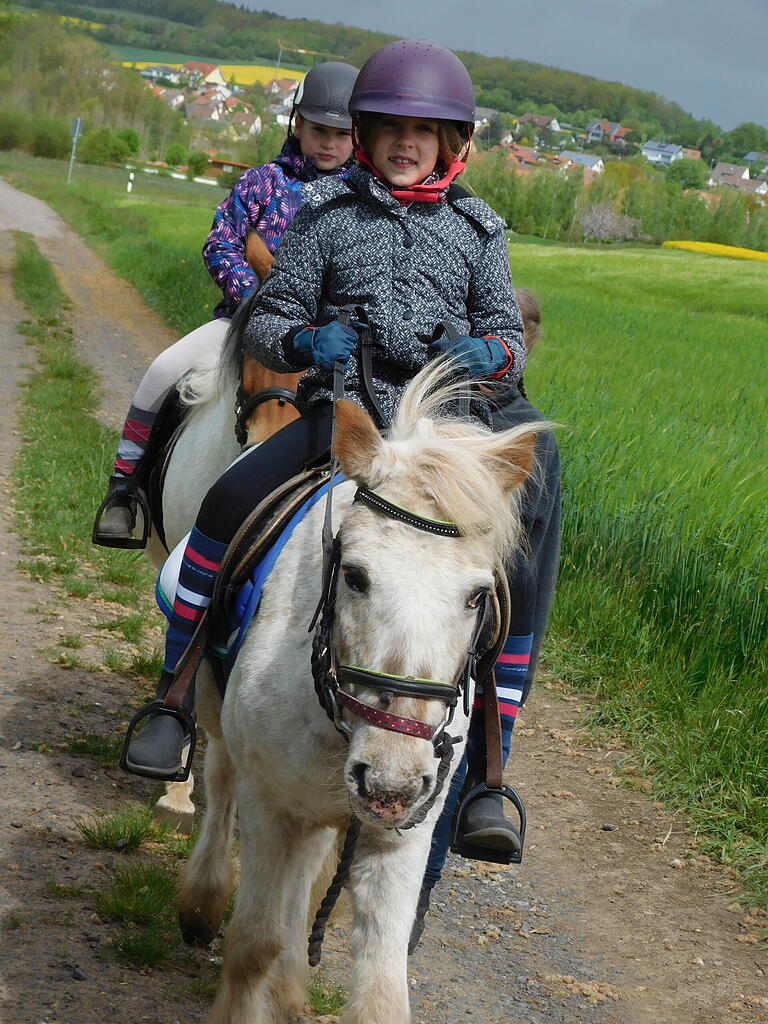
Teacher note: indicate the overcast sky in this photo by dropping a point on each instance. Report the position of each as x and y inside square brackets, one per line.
[711, 56]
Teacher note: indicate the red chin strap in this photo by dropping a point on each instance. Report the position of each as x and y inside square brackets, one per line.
[431, 193]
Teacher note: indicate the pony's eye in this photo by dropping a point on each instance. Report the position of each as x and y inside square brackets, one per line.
[356, 578]
[476, 597]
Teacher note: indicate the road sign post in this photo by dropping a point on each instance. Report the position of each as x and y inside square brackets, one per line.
[75, 133]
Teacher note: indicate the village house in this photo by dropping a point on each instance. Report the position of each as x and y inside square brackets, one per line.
[596, 164]
[728, 174]
[157, 71]
[610, 132]
[661, 153]
[540, 122]
[757, 158]
[247, 124]
[691, 154]
[199, 73]
[202, 110]
[173, 97]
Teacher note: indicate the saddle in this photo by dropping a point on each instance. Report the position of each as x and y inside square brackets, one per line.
[260, 531]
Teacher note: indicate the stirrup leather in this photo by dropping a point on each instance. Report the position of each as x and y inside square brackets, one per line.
[474, 851]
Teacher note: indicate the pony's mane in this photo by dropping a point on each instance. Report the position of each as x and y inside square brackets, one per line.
[456, 463]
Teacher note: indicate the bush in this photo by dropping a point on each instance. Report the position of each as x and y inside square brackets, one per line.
[131, 138]
[196, 164]
[601, 223]
[50, 138]
[175, 154]
[228, 179]
[14, 129]
[101, 146]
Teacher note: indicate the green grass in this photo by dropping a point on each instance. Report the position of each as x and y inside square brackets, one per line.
[57, 486]
[324, 995]
[124, 830]
[653, 363]
[104, 750]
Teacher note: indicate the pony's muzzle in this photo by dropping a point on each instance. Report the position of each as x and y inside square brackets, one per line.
[379, 799]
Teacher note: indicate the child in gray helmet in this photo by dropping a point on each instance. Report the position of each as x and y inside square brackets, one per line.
[264, 200]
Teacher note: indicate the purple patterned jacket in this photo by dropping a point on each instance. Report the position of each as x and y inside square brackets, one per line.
[264, 199]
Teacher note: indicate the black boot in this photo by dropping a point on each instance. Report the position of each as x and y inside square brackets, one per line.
[158, 750]
[483, 824]
[418, 922]
[116, 517]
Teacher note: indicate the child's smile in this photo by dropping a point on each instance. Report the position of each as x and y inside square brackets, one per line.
[405, 149]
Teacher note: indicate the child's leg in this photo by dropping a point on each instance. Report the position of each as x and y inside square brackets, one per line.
[116, 523]
[160, 377]
[158, 747]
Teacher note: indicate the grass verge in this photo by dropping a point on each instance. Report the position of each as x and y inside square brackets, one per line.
[55, 481]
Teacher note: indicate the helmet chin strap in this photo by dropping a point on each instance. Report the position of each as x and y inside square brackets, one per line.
[431, 193]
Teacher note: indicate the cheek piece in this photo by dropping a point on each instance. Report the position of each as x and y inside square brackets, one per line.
[431, 193]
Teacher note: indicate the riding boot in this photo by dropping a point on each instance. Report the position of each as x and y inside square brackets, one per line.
[483, 824]
[157, 750]
[417, 927]
[116, 517]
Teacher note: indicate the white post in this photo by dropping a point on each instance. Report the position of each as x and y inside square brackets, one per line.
[71, 160]
[129, 186]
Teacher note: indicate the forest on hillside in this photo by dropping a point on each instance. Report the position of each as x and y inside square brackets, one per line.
[224, 32]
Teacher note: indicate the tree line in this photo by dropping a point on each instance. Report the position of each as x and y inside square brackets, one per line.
[224, 32]
[629, 201]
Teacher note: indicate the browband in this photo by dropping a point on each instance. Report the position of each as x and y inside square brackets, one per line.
[375, 501]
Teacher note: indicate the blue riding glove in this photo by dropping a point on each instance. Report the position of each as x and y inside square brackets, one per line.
[326, 345]
[478, 357]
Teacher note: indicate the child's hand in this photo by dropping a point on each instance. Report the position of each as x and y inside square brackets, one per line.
[324, 346]
[478, 357]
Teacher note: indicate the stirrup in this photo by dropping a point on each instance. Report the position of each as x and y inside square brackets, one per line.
[158, 707]
[138, 499]
[474, 851]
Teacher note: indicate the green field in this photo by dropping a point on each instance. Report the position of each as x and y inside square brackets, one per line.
[654, 362]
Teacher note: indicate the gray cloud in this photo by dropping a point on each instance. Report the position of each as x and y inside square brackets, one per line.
[707, 55]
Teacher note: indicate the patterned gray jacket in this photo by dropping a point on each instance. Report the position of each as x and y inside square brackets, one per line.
[411, 267]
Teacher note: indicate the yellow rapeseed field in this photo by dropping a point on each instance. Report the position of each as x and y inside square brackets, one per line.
[713, 249]
[243, 74]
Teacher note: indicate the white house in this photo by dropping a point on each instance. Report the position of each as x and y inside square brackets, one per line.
[662, 153]
[592, 163]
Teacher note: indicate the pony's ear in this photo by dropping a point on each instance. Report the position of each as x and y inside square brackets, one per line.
[517, 459]
[357, 441]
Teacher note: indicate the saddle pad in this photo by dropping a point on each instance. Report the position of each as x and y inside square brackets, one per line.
[249, 596]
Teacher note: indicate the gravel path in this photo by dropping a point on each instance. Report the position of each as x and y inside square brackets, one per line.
[611, 919]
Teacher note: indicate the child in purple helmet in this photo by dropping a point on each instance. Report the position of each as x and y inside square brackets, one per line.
[265, 200]
[398, 238]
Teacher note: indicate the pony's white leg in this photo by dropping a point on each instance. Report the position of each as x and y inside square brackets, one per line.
[385, 881]
[288, 977]
[206, 879]
[263, 979]
[175, 807]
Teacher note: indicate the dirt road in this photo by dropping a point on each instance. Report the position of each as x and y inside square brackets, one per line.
[611, 919]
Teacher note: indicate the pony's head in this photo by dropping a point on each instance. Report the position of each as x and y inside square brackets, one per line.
[408, 601]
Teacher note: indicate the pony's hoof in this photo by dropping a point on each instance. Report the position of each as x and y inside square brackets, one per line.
[195, 931]
[180, 818]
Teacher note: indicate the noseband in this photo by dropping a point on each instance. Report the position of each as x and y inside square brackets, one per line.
[332, 679]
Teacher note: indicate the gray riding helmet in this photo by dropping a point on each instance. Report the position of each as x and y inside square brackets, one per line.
[323, 94]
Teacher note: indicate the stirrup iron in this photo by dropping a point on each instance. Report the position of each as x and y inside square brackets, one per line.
[474, 851]
[117, 497]
[158, 707]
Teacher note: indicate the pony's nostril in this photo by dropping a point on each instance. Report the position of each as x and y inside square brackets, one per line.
[358, 774]
[427, 782]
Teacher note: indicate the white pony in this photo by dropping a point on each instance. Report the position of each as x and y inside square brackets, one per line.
[406, 605]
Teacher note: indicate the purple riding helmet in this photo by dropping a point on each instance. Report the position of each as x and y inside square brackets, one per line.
[413, 78]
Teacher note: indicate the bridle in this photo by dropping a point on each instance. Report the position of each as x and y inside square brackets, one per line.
[332, 679]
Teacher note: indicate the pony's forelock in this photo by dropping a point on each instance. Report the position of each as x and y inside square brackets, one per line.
[459, 465]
